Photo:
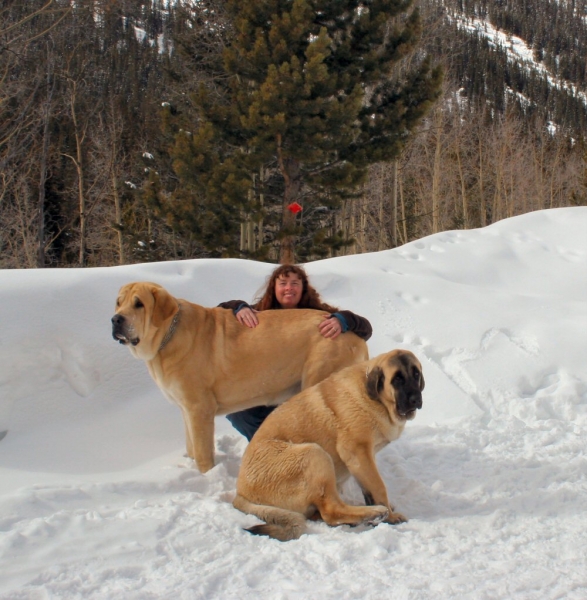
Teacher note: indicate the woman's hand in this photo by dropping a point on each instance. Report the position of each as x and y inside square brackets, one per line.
[330, 327]
[246, 316]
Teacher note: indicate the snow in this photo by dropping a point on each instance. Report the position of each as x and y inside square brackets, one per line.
[97, 500]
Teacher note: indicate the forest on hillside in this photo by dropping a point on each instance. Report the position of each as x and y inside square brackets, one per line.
[115, 113]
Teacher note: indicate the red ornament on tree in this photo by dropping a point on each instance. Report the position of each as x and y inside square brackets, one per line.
[294, 207]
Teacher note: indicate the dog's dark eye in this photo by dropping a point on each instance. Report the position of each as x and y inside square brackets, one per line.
[138, 304]
[398, 379]
[416, 375]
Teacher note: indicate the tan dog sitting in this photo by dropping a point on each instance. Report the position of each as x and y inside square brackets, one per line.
[310, 445]
[208, 364]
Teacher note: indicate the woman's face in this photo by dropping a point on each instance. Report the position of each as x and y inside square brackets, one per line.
[288, 290]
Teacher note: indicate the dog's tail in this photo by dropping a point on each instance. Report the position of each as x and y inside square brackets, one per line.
[280, 524]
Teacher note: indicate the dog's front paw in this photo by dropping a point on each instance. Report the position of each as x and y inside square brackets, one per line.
[395, 518]
[377, 514]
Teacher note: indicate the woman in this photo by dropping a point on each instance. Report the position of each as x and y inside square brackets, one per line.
[288, 287]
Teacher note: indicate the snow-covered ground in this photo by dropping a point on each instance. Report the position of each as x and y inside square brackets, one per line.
[97, 500]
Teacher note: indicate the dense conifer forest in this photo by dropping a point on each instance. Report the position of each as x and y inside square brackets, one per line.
[148, 130]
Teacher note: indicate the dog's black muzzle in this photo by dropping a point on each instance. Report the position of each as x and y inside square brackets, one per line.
[409, 402]
[118, 333]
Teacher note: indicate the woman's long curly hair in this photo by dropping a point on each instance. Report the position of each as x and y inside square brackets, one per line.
[310, 297]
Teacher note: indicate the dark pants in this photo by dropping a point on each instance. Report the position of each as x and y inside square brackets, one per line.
[249, 420]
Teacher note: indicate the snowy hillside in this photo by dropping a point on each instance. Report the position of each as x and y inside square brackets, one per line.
[97, 500]
[517, 51]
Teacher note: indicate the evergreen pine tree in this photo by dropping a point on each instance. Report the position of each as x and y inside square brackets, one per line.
[314, 92]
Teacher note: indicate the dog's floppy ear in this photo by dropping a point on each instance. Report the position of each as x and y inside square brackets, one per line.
[375, 382]
[165, 305]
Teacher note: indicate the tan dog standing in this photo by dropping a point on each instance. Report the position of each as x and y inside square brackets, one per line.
[308, 447]
[208, 364]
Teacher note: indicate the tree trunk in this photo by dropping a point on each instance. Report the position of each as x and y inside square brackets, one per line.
[497, 209]
[78, 162]
[43, 171]
[482, 208]
[118, 215]
[393, 223]
[436, 172]
[403, 205]
[287, 248]
[554, 170]
[377, 188]
[290, 170]
[260, 238]
[114, 129]
[463, 187]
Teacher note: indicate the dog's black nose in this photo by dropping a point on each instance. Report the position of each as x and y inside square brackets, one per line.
[415, 401]
[117, 319]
